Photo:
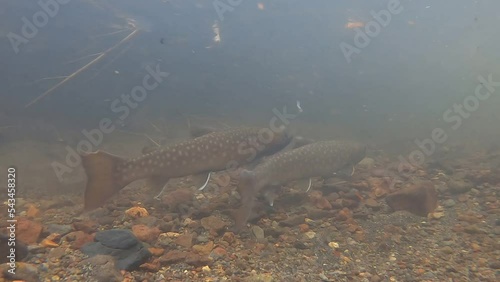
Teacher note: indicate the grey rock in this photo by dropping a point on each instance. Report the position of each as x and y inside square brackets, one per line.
[129, 252]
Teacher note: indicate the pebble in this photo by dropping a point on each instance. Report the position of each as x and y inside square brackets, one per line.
[310, 234]
[449, 203]
[213, 223]
[258, 232]
[28, 231]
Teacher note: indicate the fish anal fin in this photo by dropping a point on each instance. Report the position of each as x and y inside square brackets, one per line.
[102, 182]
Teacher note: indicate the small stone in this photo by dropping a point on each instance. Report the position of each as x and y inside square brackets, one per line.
[153, 266]
[420, 199]
[145, 233]
[372, 203]
[229, 237]
[475, 247]
[334, 245]
[474, 229]
[206, 268]
[78, 238]
[303, 228]
[258, 232]
[213, 223]
[204, 249]
[310, 234]
[458, 186]
[449, 203]
[447, 250]
[198, 260]
[86, 226]
[184, 240]
[136, 212]
[173, 256]
[156, 251]
[28, 231]
[218, 252]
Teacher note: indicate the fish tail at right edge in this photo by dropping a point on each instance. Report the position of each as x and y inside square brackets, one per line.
[248, 191]
[102, 184]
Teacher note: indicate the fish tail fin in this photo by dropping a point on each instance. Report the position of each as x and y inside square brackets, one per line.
[248, 191]
[102, 182]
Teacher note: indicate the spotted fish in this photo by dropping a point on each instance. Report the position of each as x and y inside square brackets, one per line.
[107, 174]
[319, 159]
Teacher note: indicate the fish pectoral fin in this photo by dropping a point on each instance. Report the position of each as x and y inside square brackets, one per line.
[157, 183]
[201, 180]
[306, 182]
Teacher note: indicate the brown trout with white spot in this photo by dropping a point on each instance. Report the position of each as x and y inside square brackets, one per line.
[107, 174]
[320, 159]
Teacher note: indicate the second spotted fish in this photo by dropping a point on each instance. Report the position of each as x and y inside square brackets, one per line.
[320, 159]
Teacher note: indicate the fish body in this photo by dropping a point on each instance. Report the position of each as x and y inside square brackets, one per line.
[107, 174]
[319, 159]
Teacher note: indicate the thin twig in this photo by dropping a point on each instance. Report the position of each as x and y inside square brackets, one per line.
[151, 139]
[46, 93]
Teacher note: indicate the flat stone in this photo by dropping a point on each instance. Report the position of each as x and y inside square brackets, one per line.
[128, 252]
[116, 238]
[419, 199]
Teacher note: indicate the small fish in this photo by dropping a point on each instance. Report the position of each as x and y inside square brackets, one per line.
[320, 159]
[107, 174]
